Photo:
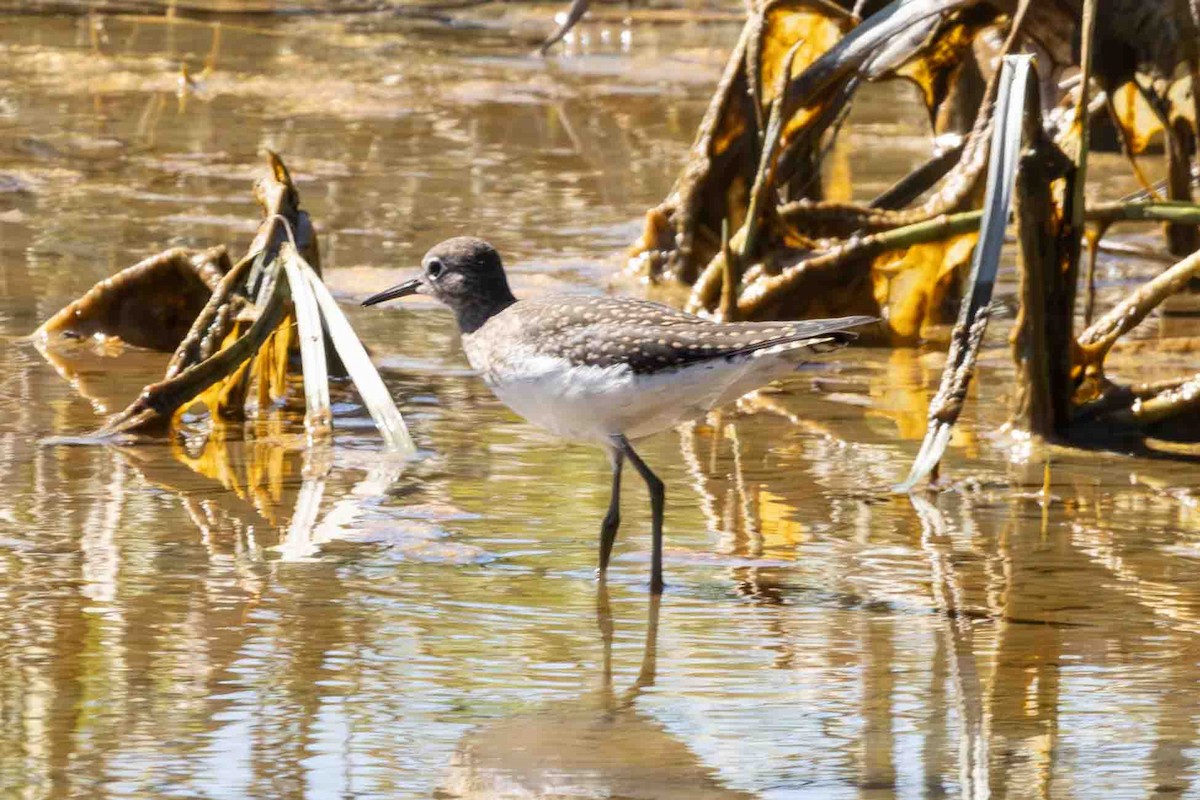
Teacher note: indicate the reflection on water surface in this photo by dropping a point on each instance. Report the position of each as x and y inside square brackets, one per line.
[248, 618]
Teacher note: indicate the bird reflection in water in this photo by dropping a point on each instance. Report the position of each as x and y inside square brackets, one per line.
[598, 745]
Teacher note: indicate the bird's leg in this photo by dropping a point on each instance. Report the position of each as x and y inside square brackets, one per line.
[605, 621]
[612, 520]
[657, 495]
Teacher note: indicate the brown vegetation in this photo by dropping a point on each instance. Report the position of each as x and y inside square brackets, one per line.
[748, 228]
[232, 329]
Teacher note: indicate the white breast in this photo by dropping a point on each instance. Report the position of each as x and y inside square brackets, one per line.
[576, 403]
[590, 404]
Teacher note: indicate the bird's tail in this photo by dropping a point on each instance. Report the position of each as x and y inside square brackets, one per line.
[810, 337]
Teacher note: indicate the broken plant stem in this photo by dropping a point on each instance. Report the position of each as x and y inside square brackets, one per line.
[1041, 341]
[763, 183]
[1017, 103]
[732, 277]
[317, 416]
[1099, 338]
[350, 350]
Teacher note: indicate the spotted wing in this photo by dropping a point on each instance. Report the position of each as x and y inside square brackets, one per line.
[649, 337]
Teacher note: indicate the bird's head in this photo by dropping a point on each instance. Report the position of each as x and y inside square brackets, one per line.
[465, 274]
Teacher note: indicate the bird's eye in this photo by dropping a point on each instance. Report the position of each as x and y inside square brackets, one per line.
[434, 268]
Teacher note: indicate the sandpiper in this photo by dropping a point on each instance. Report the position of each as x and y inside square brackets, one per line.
[607, 370]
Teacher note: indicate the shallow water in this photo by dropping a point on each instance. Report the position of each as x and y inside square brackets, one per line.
[250, 619]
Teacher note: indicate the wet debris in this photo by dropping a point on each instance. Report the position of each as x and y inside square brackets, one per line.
[233, 329]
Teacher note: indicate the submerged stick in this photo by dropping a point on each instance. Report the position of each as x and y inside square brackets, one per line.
[574, 14]
[1042, 340]
[920, 180]
[1169, 403]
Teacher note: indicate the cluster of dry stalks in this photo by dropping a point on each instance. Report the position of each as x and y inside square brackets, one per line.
[233, 329]
[748, 230]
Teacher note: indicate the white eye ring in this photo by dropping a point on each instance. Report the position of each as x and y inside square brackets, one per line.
[434, 268]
